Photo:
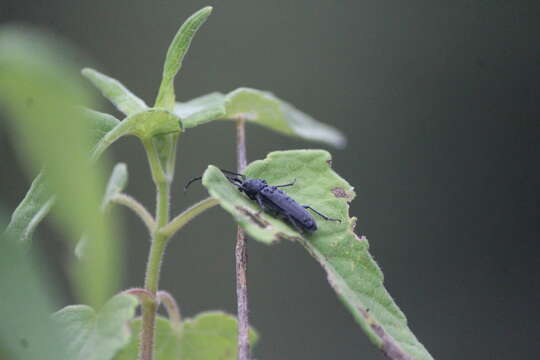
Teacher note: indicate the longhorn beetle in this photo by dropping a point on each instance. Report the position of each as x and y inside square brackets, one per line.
[274, 201]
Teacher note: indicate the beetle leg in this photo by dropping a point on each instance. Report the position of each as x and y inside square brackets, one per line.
[261, 204]
[289, 184]
[295, 224]
[320, 214]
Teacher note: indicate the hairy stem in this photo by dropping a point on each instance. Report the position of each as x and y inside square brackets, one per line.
[241, 255]
[171, 161]
[146, 349]
[157, 249]
[172, 308]
[187, 215]
[137, 208]
[142, 294]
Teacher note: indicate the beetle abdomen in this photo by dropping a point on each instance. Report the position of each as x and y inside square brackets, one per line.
[288, 206]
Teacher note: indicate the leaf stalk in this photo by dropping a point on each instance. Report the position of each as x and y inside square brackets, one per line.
[137, 208]
[187, 215]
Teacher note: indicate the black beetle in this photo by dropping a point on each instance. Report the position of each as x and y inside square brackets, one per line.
[274, 201]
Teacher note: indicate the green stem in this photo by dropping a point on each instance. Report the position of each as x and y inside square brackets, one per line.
[187, 215]
[151, 282]
[172, 308]
[158, 175]
[171, 161]
[157, 249]
[137, 208]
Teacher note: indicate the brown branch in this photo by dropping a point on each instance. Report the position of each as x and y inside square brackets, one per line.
[241, 255]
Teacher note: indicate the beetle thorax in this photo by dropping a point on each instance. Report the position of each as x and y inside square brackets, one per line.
[253, 186]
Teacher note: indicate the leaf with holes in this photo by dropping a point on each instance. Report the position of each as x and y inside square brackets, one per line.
[260, 107]
[208, 336]
[351, 270]
[91, 335]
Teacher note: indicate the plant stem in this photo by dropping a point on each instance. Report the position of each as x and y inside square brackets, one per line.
[146, 349]
[141, 294]
[137, 208]
[241, 255]
[172, 308]
[171, 161]
[157, 248]
[187, 215]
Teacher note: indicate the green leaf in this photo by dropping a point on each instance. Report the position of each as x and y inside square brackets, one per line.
[115, 92]
[260, 225]
[28, 298]
[209, 336]
[38, 201]
[117, 183]
[351, 270]
[175, 55]
[32, 209]
[42, 93]
[146, 124]
[260, 107]
[100, 124]
[91, 335]
[212, 335]
[201, 110]
[167, 341]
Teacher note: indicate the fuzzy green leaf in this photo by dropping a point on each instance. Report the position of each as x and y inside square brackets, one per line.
[351, 270]
[212, 335]
[209, 336]
[91, 335]
[175, 55]
[117, 183]
[39, 200]
[33, 208]
[42, 93]
[146, 124]
[260, 107]
[201, 110]
[100, 124]
[28, 298]
[115, 92]
[167, 341]
[260, 225]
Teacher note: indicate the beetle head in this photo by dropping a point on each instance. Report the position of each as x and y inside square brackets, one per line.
[253, 186]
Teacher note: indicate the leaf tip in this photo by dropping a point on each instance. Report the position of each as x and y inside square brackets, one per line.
[121, 167]
[87, 72]
[207, 10]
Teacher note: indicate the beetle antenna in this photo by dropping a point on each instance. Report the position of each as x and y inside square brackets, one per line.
[235, 181]
[191, 181]
[233, 173]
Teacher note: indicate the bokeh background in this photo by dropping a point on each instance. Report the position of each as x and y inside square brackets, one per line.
[440, 102]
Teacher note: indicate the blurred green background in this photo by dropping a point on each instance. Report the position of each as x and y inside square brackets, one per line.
[440, 102]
